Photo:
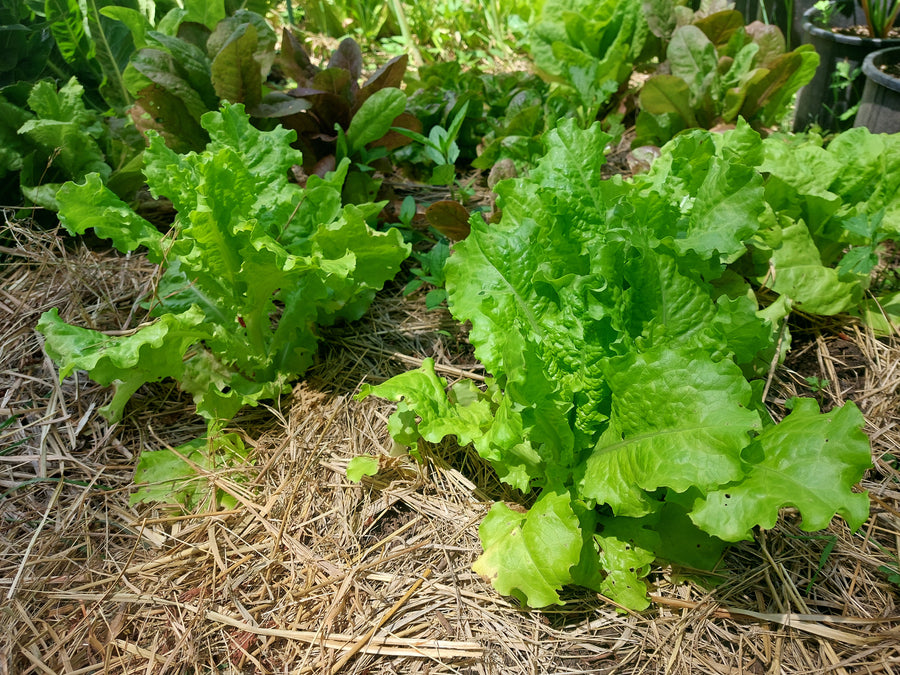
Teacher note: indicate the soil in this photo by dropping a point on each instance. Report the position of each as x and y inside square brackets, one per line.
[863, 31]
[892, 70]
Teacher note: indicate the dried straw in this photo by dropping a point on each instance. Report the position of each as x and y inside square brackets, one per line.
[313, 574]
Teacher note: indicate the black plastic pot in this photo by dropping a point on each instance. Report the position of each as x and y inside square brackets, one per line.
[879, 110]
[819, 102]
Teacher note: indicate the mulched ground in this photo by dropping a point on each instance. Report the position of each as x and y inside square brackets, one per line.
[314, 574]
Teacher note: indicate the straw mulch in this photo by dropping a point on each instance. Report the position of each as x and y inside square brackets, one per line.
[314, 574]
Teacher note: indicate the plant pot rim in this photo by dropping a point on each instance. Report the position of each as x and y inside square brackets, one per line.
[875, 74]
[825, 34]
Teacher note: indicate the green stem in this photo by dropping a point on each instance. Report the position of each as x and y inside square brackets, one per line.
[400, 15]
[492, 16]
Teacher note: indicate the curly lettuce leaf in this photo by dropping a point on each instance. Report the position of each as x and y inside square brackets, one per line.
[796, 271]
[176, 475]
[620, 329]
[532, 555]
[488, 420]
[243, 288]
[810, 461]
[679, 420]
[93, 205]
[127, 362]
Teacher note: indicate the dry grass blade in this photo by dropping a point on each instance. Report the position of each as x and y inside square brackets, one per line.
[314, 574]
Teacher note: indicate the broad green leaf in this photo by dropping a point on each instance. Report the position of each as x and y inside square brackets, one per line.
[725, 213]
[136, 22]
[164, 70]
[796, 271]
[92, 205]
[801, 175]
[809, 461]
[720, 26]
[207, 12]
[157, 110]
[531, 555]
[626, 552]
[149, 354]
[679, 420]
[692, 58]
[663, 94]
[768, 96]
[769, 40]
[870, 173]
[190, 62]
[620, 330]
[113, 46]
[375, 117]
[231, 292]
[591, 46]
[67, 24]
[737, 74]
[235, 72]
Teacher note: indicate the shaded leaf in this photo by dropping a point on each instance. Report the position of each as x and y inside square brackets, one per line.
[347, 56]
[374, 118]
[234, 71]
[450, 218]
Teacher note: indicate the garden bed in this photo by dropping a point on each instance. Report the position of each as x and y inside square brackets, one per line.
[312, 573]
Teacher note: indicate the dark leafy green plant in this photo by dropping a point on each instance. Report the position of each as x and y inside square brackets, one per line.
[26, 43]
[61, 70]
[629, 327]
[253, 266]
[191, 60]
[717, 70]
[505, 114]
[51, 136]
[335, 116]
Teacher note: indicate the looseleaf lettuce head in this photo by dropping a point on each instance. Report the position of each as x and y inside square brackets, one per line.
[252, 265]
[620, 344]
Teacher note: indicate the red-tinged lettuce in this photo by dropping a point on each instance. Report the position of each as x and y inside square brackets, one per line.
[252, 266]
[628, 358]
[716, 70]
[190, 62]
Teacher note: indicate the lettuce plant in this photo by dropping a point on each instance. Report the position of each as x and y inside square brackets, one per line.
[628, 355]
[336, 117]
[252, 266]
[49, 136]
[590, 47]
[717, 69]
